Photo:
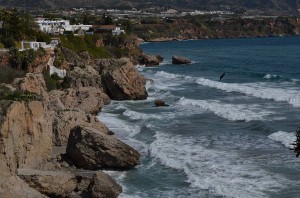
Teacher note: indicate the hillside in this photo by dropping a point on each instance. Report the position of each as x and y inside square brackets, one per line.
[268, 6]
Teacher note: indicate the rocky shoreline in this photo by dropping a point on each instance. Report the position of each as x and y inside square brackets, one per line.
[47, 138]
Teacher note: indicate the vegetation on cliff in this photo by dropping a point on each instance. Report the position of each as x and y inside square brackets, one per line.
[203, 27]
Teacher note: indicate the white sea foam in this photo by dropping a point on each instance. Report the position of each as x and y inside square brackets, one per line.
[277, 94]
[134, 115]
[269, 76]
[167, 75]
[219, 172]
[285, 138]
[241, 112]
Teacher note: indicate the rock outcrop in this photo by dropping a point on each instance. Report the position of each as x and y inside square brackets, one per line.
[90, 149]
[150, 60]
[72, 58]
[180, 60]
[14, 187]
[25, 134]
[123, 82]
[88, 99]
[86, 76]
[103, 186]
[50, 183]
[66, 120]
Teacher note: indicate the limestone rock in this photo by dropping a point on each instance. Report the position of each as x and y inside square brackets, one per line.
[25, 134]
[103, 186]
[33, 83]
[88, 99]
[122, 81]
[93, 150]
[72, 58]
[66, 120]
[86, 76]
[180, 60]
[150, 60]
[50, 183]
[14, 187]
[85, 56]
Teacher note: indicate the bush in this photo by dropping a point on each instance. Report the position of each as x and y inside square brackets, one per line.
[52, 82]
[8, 42]
[8, 75]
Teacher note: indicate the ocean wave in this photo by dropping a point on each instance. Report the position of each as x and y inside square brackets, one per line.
[277, 94]
[240, 112]
[134, 115]
[270, 76]
[285, 138]
[219, 172]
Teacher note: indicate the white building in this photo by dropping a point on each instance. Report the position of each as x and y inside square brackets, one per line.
[58, 26]
[34, 45]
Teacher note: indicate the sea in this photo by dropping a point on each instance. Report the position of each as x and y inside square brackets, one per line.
[216, 139]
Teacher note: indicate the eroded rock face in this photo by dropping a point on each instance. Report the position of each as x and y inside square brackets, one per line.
[25, 135]
[90, 149]
[66, 120]
[88, 99]
[122, 81]
[180, 60]
[150, 60]
[86, 76]
[50, 183]
[103, 186]
[72, 58]
[33, 83]
[14, 187]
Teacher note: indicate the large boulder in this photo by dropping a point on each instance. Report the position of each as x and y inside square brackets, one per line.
[150, 60]
[90, 149]
[88, 99]
[50, 183]
[66, 120]
[180, 60]
[103, 186]
[122, 81]
[14, 187]
[25, 134]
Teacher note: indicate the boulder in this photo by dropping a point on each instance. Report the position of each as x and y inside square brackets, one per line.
[50, 183]
[150, 60]
[160, 103]
[180, 60]
[14, 187]
[90, 149]
[88, 99]
[103, 186]
[85, 76]
[66, 120]
[25, 134]
[85, 56]
[122, 81]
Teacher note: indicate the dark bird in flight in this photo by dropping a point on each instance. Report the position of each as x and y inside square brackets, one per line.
[222, 76]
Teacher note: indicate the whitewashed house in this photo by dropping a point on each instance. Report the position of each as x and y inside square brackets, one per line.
[34, 45]
[59, 26]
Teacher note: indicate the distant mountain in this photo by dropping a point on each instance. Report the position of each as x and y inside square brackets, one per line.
[280, 6]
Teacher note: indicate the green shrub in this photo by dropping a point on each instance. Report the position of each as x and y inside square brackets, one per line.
[21, 96]
[8, 75]
[53, 81]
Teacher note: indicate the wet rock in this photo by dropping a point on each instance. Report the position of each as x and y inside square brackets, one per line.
[160, 103]
[180, 60]
[103, 186]
[150, 60]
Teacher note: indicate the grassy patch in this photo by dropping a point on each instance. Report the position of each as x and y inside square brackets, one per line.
[20, 96]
